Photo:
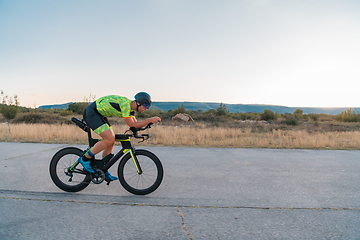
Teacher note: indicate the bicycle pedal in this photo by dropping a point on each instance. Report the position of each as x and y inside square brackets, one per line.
[108, 182]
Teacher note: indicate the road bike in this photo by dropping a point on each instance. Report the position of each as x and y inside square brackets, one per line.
[140, 171]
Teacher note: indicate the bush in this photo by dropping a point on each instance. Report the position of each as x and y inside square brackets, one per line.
[180, 109]
[37, 117]
[207, 116]
[9, 106]
[65, 113]
[78, 107]
[298, 113]
[348, 116]
[248, 116]
[30, 118]
[9, 111]
[222, 110]
[313, 116]
[291, 120]
[267, 115]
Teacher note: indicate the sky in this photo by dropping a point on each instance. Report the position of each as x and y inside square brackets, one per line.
[296, 53]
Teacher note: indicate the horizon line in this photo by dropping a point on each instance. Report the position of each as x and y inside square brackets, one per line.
[213, 102]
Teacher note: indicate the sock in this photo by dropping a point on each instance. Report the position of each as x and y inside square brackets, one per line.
[90, 154]
[85, 159]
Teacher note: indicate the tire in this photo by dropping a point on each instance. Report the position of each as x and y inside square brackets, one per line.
[146, 182]
[59, 165]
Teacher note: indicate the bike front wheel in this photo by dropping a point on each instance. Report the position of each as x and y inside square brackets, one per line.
[141, 183]
[65, 173]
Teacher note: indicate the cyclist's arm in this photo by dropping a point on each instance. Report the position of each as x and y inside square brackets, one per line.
[131, 122]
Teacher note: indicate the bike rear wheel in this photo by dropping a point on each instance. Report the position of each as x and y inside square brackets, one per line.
[146, 182]
[68, 180]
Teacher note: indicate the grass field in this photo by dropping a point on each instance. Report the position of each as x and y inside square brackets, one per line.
[242, 135]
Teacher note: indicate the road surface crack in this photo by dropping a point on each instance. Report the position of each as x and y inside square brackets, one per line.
[191, 237]
[175, 205]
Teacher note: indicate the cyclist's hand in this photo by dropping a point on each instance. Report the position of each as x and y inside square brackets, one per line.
[155, 119]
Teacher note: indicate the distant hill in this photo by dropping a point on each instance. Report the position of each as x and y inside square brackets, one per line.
[204, 106]
[258, 108]
[56, 106]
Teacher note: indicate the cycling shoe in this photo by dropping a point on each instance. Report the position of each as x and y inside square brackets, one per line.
[109, 177]
[86, 165]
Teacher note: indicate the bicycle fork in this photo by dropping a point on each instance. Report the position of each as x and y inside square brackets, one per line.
[135, 160]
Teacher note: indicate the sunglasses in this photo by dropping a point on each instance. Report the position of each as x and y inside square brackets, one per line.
[146, 105]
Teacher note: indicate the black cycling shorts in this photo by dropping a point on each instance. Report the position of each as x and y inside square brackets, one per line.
[95, 120]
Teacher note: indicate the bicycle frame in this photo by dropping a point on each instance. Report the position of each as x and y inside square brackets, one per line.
[126, 147]
[124, 139]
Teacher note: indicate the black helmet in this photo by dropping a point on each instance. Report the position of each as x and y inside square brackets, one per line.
[144, 99]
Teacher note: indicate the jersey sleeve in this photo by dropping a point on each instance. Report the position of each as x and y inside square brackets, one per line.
[126, 110]
[131, 115]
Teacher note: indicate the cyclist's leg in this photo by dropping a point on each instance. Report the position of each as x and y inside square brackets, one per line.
[110, 137]
[94, 121]
[101, 126]
[106, 144]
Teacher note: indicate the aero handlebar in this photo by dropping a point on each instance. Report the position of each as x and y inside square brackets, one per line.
[141, 136]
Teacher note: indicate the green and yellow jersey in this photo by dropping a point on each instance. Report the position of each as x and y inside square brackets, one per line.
[114, 105]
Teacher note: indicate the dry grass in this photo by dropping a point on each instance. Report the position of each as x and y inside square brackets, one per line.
[246, 138]
[42, 133]
[198, 135]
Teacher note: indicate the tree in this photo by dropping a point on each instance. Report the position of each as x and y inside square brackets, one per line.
[78, 107]
[180, 109]
[222, 110]
[298, 113]
[9, 106]
[267, 115]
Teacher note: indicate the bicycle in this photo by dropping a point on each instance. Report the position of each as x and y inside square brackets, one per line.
[141, 176]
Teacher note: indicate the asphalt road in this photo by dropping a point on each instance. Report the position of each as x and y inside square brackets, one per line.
[206, 193]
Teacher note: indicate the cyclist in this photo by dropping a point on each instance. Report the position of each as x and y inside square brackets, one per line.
[95, 115]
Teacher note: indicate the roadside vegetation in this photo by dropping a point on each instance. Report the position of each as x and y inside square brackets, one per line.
[212, 128]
